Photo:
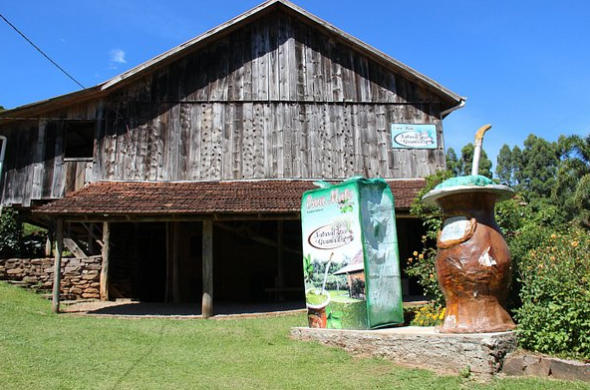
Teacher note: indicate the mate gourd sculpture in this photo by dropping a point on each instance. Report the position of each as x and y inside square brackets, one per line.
[473, 263]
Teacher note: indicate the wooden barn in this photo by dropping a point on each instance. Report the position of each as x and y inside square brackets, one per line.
[186, 172]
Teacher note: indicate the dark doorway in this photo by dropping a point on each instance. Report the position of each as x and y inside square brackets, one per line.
[249, 258]
[247, 268]
[138, 261]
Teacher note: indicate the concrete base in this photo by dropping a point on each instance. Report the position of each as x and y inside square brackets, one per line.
[480, 353]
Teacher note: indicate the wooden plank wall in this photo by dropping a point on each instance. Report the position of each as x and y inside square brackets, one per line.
[34, 166]
[216, 141]
[274, 99]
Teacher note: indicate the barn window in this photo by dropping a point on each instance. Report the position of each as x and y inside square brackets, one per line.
[79, 140]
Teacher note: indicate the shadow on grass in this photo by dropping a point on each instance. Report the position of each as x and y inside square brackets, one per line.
[193, 309]
[137, 362]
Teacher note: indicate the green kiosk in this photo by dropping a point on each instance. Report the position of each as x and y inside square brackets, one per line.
[350, 255]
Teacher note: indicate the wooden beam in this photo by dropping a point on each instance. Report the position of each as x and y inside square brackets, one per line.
[280, 261]
[207, 302]
[168, 288]
[49, 243]
[180, 218]
[175, 262]
[104, 270]
[57, 266]
[74, 248]
[90, 238]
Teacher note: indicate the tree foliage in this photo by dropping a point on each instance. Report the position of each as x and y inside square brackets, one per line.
[538, 163]
[572, 185]
[422, 264]
[555, 276]
[504, 168]
[461, 165]
[453, 162]
[18, 239]
[11, 231]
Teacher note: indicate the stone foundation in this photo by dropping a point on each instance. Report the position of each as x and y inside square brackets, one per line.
[480, 354]
[80, 277]
[519, 364]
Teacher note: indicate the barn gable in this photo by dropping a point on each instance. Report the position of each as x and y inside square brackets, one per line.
[275, 93]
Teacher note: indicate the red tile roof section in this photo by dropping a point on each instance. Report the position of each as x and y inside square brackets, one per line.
[186, 198]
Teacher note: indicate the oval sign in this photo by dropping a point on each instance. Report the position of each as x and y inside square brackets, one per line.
[414, 139]
[330, 237]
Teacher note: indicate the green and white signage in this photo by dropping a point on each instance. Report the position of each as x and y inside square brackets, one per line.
[350, 256]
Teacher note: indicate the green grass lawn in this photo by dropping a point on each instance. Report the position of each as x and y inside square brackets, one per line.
[40, 350]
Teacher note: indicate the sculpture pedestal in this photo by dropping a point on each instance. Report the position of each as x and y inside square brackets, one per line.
[482, 353]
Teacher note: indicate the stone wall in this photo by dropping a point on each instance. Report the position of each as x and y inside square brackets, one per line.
[80, 277]
[480, 354]
[521, 364]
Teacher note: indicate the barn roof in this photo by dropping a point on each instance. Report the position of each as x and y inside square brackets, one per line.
[450, 98]
[167, 199]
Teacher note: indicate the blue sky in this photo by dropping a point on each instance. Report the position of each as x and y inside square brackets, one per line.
[524, 65]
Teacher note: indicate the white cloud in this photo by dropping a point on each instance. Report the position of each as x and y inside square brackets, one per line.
[117, 56]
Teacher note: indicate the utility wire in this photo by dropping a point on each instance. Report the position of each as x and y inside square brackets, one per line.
[41, 51]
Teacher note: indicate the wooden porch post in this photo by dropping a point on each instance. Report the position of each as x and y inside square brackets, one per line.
[104, 270]
[175, 262]
[49, 243]
[59, 245]
[168, 290]
[207, 302]
[280, 262]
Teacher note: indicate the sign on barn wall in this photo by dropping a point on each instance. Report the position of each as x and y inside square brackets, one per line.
[409, 136]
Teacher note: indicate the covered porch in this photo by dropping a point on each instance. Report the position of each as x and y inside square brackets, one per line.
[186, 243]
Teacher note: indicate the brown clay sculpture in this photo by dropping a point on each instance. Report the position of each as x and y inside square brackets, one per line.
[473, 263]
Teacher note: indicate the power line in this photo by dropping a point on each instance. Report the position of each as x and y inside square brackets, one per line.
[41, 51]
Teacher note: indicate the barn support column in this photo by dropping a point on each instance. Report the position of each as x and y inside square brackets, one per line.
[59, 245]
[49, 243]
[280, 262]
[207, 301]
[175, 262]
[104, 270]
[168, 288]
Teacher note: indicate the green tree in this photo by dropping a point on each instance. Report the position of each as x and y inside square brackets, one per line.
[466, 161]
[539, 163]
[572, 186]
[452, 162]
[10, 234]
[461, 166]
[516, 161]
[504, 166]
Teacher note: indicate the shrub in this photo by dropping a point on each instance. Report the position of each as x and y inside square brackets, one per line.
[555, 291]
[18, 239]
[427, 315]
[421, 265]
[10, 234]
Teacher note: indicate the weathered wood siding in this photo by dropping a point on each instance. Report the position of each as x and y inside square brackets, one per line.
[255, 140]
[34, 165]
[274, 99]
[277, 98]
